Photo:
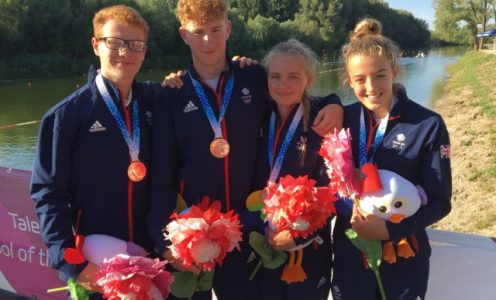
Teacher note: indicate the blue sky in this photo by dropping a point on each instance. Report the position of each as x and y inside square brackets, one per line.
[422, 9]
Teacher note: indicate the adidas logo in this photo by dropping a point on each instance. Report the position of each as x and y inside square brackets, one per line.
[251, 257]
[190, 107]
[97, 126]
[322, 281]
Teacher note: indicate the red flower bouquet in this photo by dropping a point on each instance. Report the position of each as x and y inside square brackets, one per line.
[202, 235]
[296, 205]
[134, 277]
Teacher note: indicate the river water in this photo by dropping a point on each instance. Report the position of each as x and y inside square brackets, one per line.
[27, 100]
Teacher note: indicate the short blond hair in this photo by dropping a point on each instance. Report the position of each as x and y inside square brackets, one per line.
[121, 14]
[201, 11]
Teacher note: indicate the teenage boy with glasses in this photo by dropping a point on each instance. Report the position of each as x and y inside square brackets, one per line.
[89, 174]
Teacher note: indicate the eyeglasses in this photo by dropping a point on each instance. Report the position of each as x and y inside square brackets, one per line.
[114, 43]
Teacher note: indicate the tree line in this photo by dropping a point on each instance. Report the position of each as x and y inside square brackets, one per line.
[459, 21]
[41, 37]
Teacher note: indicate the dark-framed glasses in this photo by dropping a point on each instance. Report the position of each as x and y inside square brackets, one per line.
[118, 43]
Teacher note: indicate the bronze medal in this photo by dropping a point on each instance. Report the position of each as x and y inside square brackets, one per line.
[219, 148]
[136, 171]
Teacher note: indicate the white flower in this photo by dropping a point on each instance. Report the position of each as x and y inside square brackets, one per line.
[180, 229]
[300, 224]
[205, 251]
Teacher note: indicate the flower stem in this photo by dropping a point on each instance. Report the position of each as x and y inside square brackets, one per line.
[379, 282]
[259, 264]
[59, 289]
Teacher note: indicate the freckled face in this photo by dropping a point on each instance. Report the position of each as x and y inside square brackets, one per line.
[287, 79]
[124, 64]
[371, 78]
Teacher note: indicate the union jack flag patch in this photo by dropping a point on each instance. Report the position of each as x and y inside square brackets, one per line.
[445, 151]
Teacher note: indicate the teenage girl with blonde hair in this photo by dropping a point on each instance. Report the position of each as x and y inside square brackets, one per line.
[289, 147]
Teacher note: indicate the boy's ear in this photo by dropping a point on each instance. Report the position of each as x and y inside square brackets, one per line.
[228, 29]
[182, 33]
[94, 44]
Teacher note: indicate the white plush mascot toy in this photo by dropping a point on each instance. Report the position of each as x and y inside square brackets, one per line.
[98, 247]
[392, 198]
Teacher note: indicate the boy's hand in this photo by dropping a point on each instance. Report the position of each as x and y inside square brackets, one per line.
[173, 80]
[244, 61]
[328, 118]
[178, 264]
[87, 278]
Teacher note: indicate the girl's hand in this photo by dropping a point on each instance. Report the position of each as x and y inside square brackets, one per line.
[328, 118]
[369, 226]
[281, 241]
[173, 80]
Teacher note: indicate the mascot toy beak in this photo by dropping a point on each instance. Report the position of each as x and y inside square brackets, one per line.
[396, 218]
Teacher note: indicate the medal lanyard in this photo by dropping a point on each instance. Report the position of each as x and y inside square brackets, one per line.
[226, 96]
[378, 138]
[275, 167]
[132, 143]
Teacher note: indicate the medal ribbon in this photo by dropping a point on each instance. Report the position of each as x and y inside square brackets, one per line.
[132, 143]
[378, 138]
[275, 167]
[226, 96]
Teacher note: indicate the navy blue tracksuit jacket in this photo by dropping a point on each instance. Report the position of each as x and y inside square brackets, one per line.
[80, 172]
[301, 159]
[182, 162]
[416, 146]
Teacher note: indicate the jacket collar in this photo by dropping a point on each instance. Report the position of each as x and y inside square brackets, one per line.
[224, 73]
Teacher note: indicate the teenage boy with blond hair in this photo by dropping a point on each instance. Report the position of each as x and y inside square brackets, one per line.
[93, 148]
[205, 137]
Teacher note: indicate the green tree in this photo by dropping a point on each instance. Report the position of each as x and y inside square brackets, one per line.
[453, 15]
[265, 32]
[240, 41]
[281, 10]
[11, 13]
[164, 39]
[249, 8]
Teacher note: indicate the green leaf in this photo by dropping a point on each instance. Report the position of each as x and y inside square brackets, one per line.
[271, 259]
[184, 284]
[373, 251]
[205, 281]
[371, 248]
[77, 291]
[257, 207]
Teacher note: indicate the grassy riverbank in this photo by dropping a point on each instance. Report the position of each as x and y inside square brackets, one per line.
[468, 107]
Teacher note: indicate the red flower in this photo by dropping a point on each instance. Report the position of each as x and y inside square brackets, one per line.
[294, 204]
[134, 277]
[203, 235]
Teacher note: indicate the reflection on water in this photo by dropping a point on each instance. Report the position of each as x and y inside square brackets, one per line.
[17, 148]
[424, 77]
[23, 101]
